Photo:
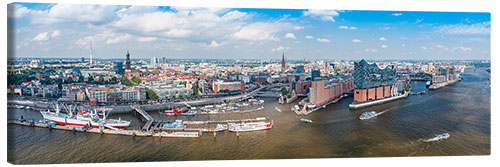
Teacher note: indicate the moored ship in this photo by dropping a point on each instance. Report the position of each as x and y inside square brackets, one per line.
[85, 119]
[249, 126]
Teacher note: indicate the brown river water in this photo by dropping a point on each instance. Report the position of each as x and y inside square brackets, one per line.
[463, 110]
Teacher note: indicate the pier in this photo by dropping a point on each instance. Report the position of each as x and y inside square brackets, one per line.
[149, 119]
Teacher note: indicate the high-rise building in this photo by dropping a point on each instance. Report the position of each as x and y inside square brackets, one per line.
[283, 63]
[83, 59]
[91, 53]
[315, 73]
[153, 61]
[127, 61]
[164, 60]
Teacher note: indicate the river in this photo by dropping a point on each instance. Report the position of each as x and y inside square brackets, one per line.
[462, 109]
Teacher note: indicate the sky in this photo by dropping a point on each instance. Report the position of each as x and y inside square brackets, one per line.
[67, 31]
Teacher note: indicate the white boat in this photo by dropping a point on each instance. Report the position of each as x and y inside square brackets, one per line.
[250, 126]
[277, 109]
[306, 120]
[83, 119]
[219, 128]
[438, 137]
[368, 115]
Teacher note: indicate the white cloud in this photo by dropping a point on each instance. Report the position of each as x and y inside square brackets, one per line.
[403, 45]
[16, 11]
[343, 27]
[442, 47]
[325, 15]
[260, 31]
[371, 50]
[192, 24]
[56, 33]
[384, 46]
[214, 44]
[109, 37]
[423, 48]
[382, 39]
[309, 37]
[41, 37]
[96, 14]
[464, 29]
[419, 20]
[347, 27]
[323, 40]
[397, 14]
[298, 28]
[147, 39]
[281, 48]
[290, 35]
[119, 39]
[356, 41]
[461, 48]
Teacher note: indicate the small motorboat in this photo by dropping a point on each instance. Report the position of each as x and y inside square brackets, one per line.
[368, 115]
[438, 137]
[277, 109]
[306, 120]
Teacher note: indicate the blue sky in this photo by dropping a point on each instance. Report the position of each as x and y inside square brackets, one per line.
[63, 30]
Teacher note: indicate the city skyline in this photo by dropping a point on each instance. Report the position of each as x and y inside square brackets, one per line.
[61, 30]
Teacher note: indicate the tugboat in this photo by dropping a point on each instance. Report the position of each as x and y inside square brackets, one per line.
[368, 115]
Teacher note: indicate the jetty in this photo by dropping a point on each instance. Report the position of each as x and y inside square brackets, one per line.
[149, 119]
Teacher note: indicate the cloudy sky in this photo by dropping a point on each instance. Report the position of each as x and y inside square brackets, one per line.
[63, 30]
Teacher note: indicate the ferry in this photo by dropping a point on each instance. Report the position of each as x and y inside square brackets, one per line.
[438, 137]
[251, 126]
[175, 125]
[83, 119]
[306, 120]
[368, 115]
[219, 128]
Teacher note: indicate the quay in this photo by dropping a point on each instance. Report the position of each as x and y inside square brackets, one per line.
[355, 106]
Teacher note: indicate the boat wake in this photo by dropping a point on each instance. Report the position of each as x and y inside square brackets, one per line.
[438, 137]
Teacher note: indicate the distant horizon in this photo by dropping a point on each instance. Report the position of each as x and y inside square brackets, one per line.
[68, 30]
[86, 59]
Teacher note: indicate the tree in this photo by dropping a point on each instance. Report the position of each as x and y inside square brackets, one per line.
[151, 94]
[223, 91]
[136, 80]
[80, 78]
[126, 82]
[284, 91]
